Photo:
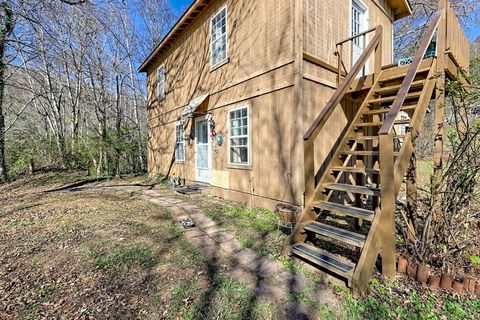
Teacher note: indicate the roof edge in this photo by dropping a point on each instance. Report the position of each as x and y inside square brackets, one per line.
[404, 9]
[195, 7]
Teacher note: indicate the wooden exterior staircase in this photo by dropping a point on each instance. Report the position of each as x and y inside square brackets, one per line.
[349, 211]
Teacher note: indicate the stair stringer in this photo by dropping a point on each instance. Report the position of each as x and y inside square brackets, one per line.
[327, 176]
[416, 125]
[373, 245]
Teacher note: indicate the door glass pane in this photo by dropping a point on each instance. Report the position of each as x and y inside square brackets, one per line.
[202, 131]
[202, 156]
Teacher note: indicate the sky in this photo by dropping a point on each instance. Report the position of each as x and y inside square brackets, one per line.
[180, 5]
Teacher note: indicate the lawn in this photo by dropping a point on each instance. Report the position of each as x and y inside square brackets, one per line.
[103, 254]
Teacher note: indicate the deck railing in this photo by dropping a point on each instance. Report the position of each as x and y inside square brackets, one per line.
[456, 40]
[339, 52]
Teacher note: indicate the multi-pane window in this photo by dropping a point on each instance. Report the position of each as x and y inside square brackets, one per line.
[238, 130]
[356, 23]
[403, 127]
[219, 37]
[179, 143]
[161, 83]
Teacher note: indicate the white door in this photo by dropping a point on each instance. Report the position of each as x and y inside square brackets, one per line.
[359, 24]
[203, 161]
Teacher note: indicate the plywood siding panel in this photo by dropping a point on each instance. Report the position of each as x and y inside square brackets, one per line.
[327, 22]
[315, 99]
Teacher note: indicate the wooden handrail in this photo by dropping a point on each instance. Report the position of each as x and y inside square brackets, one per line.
[388, 124]
[357, 36]
[340, 93]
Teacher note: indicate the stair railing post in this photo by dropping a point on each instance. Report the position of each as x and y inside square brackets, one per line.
[309, 166]
[339, 53]
[378, 56]
[387, 205]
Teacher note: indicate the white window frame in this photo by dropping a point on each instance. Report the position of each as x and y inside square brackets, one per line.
[182, 141]
[212, 64]
[366, 22]
[403, 127]
[161, 96]
[248, 163]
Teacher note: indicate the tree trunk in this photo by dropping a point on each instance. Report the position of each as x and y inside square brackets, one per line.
[6, 30]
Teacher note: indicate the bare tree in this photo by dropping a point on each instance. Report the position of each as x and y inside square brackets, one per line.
[6, 28]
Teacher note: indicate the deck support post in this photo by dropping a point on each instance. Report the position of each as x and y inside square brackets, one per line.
[412, 195]
[387, 205]
[439, 112]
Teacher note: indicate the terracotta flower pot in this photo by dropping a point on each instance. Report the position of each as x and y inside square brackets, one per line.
[446, 281]
[469, 284]
[457, 287]
[402, 265]
[434, 282]
[422, 273]
[412, 271]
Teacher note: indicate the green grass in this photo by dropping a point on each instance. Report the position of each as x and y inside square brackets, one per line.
[227, 299]
[382, 303]
[255, 228]
[259, 219]
[133, 255]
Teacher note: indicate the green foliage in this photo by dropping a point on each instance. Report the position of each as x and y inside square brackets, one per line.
[382, 303]
[475, 259]
[93, 153]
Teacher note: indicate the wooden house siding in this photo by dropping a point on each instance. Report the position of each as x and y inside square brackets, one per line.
[327, 22]
[266, 72]
[259, 74]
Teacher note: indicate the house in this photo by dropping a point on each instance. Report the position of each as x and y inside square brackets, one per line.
[289, 101]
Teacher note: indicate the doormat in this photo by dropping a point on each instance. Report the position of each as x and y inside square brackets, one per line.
[187, 190]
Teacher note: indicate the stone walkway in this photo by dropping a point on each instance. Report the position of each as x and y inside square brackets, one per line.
[267, 279]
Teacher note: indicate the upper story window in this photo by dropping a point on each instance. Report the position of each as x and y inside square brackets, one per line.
[403, 127]
[161, 83]
[359, 21]
[179, 143]
[218, 37]
[239, 136]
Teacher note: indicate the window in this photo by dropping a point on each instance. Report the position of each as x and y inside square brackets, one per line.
[218, 37]
[356, 23]
[161, 83]
[238, 139]
[359, 12]
[403, 127]
[179, 143]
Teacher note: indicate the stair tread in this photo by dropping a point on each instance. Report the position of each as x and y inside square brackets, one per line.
[341, 209]
[324, 259]
[396, 87]
[385, 110]
[356, 170]
[403, 74]
[392, 98]
[364, 153]
[380, 123]
[339, 234]
[352, 188]
[360, 138]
